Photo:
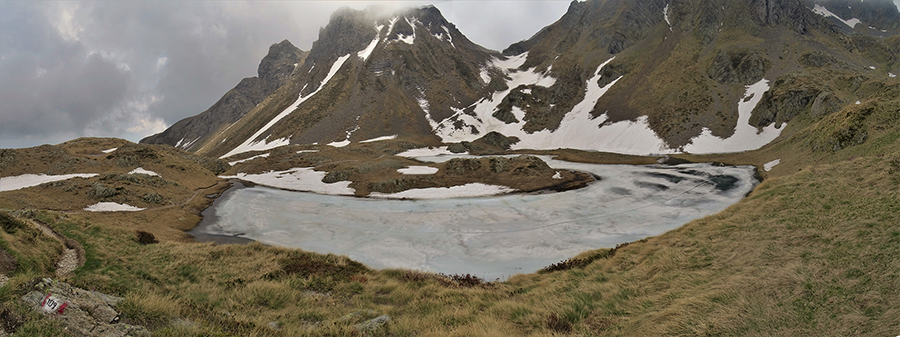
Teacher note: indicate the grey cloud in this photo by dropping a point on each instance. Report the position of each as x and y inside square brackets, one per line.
[70, 69]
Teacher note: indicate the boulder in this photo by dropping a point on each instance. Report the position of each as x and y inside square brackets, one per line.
[87, 313]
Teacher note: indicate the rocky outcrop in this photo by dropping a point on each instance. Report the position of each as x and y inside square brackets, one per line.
[738, 67]
[86, 313]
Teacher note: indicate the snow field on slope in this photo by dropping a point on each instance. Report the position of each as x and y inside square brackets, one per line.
[251, 145]
[112, 207]
[745, 136]
[378, 139]
[141, 170]
[29, 180]
[578, 129]
[297, 179]
[821, 10]
[418, 170]
[248, 159]
[768, 166]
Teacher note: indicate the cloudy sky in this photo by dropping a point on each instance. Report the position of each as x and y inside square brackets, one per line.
[129, 69]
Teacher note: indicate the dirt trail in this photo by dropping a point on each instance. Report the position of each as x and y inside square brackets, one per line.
[69, 260]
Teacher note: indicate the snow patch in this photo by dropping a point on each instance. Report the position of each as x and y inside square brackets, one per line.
[485, 75]
[557, 175]
[377, 139]
[29, 180]
[857, 102]
[666, 16]
[112, 207]
[768, 166]
[342, 143]
[232, 163]
[251, 145]
[872, 67]
[426, 152]
[109, 150]
[141, 170]
[364, 54]
[819, 9]
[745, 136]
[418, 170]
[298, 179]
[892, 75]
[463, 191]
[307, 151]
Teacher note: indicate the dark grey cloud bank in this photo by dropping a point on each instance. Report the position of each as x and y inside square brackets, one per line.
[129, 69]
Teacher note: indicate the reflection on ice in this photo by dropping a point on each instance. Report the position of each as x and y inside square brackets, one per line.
[490, 237]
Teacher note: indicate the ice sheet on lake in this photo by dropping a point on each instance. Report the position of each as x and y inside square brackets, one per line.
[490, 237]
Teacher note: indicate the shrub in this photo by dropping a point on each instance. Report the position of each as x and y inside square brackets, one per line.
[152, 198]
[145, 238]
[557, 324]
[10, 224]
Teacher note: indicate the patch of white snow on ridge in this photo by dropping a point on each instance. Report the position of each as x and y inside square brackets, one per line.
[29, 180]
[109, 150]
[557, 175]
[377, 139]
[872, 67]
[342, 143]
[307, 151]
[364, 54]
[178, 144]
[298, 179]
[819, 9]
[485, 75]
[188, 144]
[251, 145]
[768, 166]
[666, 16]
[578, 129]
[141, 170]
[408, 39]
[745, 136]
[248, 159]
[426, 152]
[418, 170]
[463, 191]
[112, 207]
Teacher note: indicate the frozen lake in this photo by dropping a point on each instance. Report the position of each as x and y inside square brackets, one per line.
[491, 237]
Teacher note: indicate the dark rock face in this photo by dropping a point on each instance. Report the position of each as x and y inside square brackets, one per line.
[274, 71]
[793, 13]
[741, 67]
[788, 98]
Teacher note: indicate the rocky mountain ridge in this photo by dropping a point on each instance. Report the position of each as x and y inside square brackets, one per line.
[610, 75]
